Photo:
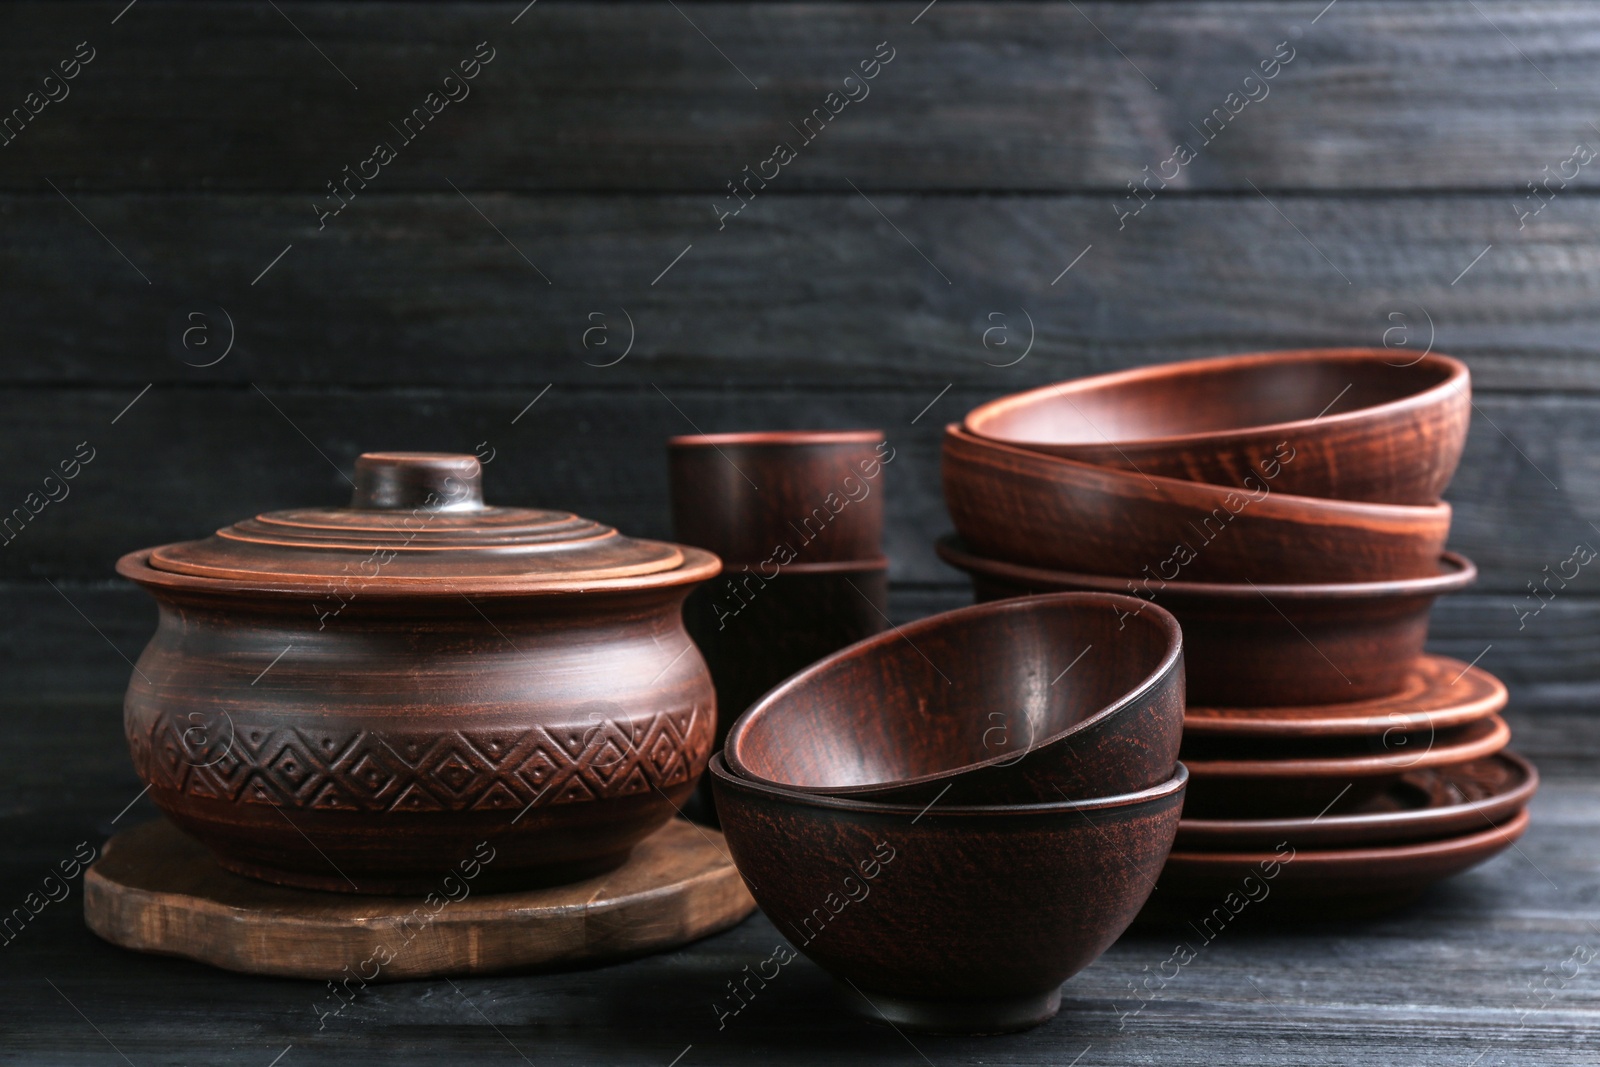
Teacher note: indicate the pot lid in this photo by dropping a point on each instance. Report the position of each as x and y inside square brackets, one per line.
[416, 520]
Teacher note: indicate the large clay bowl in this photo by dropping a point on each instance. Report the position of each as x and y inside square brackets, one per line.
[1439, 693]
[1359, 423]
[1205, 892]
[1255, 645]
[1273, 779]
[1423, 805]
[945, 918]
[1046, 699]
[1026, 507]
[776, 497]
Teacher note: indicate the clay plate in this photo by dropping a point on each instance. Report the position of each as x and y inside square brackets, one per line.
[1210, 888]
[1309, 784]
[1423, 805]
[1439, 693]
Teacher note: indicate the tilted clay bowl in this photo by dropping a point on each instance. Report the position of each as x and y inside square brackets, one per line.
[1257, 645]
[1271, 779]
[1424, 805]
[1044, 511]
[780, 496]
[1046, 699]
[352, 698]
[1370, 424]
[948, 918]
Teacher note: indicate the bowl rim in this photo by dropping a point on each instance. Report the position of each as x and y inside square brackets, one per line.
[776, 438]
[1293, 507]
[1171, 661]
[1482, 738]
[1463, 573]
[1518, 795]
[719, 769]
[1459, 376]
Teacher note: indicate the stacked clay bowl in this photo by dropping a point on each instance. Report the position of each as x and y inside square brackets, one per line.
[1286, 508]
[954, 818]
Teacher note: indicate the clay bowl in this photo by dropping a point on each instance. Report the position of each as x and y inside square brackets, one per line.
[1342, 423]
[1026, 507]
[1423, 805]
[754, 630]
[1045, 699]
[1439, 693]
[778, 497]
[1266, 645]
[1210, 890]
[352, 699]
[1276, 779]
[948, 918]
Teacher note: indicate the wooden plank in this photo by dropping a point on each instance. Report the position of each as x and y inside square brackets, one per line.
[1494, 943]
[800, 291]
[180, 462]
[1378, 95]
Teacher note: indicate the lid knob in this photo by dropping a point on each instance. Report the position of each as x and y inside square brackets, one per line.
[431, 481]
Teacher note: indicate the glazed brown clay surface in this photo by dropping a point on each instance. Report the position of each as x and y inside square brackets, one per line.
[1044, 511]
[1209, 888]
[343, 715]
[1271, 778]
[962, 919]
[1439, 693]
[1045, 699]
[1423, 805]
[1364, 424]
[156, 890]
[1265, 645]
[809, 496]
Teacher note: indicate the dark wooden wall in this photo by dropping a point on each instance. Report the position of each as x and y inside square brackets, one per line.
[1379, 192]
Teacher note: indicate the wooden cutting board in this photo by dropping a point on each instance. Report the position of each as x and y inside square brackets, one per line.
[156, 890]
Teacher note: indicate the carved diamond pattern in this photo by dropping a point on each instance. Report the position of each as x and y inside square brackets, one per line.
[494, 770]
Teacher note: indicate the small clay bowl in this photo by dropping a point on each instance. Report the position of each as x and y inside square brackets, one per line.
[1043, 511]
[1030, 701]
[778, 497]
[1258, 645]
[1439, 693]
[947, 918]
[1268, 780]
[1358, 423]
[1423, 805]
[1211, 889]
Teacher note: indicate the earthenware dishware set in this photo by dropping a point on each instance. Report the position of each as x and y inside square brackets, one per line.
[1286, 508]
[955, 817]
[797, 519]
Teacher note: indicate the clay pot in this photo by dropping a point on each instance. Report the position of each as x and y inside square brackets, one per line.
[352, 698]
[1044, 511]
[1030, 701]
[780, 497]
[945, 918]
[1368, 424]
[1260, 645]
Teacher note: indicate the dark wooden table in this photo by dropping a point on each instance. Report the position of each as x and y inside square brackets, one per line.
[1499, 966]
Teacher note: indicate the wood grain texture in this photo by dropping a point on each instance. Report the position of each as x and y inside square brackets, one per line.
[1377, 95]
[1481, 939]
[155, 890]
[811, 291]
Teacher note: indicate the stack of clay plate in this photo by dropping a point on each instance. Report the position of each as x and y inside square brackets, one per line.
[955, 817]
[1286, 508]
